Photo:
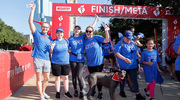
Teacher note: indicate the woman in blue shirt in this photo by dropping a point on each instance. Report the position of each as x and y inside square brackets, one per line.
[60, 62]
[94, 54]
[177, 62]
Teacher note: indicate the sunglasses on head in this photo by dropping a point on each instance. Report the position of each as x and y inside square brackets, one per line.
[88, 31]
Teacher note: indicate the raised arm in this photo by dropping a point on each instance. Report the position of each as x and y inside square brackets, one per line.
[96, 19]
[31, 16]
[106, 40]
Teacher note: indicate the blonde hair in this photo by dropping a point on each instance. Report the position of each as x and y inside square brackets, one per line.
[90, 27]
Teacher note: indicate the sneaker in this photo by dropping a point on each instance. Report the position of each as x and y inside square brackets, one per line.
[81, 95]
[93, 93]
[140, 97]
[42, 97]
[46, 96]
[68, 95]
[152, 99]
[76, 93]
[57, 95]
[146, 93]
[99, 96]
[122, 94]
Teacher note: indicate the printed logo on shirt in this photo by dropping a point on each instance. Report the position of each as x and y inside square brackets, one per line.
[89, 45]
[61, 46]
[152, 58]
[45, 37]
[76, 42]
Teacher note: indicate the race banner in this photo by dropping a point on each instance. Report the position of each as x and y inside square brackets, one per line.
[108, 10]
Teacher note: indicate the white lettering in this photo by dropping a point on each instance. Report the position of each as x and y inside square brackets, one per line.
[102, 9]
[139, 10]
[128, 10]
[135, 10]
[118, 10]
[111, 9]
[93, 8]
[144, 11]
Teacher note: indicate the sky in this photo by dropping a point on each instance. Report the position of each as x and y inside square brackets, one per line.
[14, 13]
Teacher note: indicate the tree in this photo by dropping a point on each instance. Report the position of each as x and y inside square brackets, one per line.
[8, 36]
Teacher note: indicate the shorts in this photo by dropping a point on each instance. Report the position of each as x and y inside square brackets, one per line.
[111, 57]
[106, 56]
[41, 65]
[58, 70]
[167, 62]
[173, 60]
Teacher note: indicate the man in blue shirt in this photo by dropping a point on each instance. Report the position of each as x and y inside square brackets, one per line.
[126, 52]
[40, 54]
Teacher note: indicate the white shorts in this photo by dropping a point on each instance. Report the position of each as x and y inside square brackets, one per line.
[41, 65]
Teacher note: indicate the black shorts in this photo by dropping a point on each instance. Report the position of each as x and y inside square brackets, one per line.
[173, 60]
[167, 62]
[111, 57]
[106, 56]
[59, 70]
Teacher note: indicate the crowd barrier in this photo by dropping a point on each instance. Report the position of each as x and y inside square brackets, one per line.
[16, 68]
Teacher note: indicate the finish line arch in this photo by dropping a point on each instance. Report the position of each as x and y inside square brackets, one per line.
[170, 23]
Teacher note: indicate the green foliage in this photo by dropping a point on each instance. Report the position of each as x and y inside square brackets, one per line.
[8, 36]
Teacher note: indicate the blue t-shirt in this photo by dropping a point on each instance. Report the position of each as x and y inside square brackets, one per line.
[76, 44]
[41, 45]
[128, 50]
[60, 52]
[176, 46]
[105, 48]
[93, 50]
[112, 50]
[150, 71]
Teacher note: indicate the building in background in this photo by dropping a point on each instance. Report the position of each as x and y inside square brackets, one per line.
[29, 38]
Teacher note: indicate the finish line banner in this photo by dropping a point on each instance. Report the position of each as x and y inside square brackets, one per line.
[108, 10]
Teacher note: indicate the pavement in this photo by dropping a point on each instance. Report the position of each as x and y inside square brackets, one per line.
[171, 90]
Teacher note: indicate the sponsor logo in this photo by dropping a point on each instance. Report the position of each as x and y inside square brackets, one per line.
[175, 21]
[63, 8]
[156, 12]
[60, 18]
[81, 9]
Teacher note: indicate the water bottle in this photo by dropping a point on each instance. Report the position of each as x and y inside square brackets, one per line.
[29, 5]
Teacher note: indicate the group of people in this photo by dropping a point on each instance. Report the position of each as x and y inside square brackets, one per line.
[63, 60]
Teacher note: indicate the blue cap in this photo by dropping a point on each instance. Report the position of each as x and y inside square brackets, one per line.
[128, 34]
[141, 34]
[59, 29]
[134, 37]
[77, 26]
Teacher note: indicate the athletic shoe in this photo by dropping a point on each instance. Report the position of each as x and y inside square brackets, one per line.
[81, 95]
[76, 93]
[140, 97]
[68, 95]
[99, 96]
[146, 93]
[152, 99]
[122, 94]
[46, 96]
[42, 97]
[57, 95]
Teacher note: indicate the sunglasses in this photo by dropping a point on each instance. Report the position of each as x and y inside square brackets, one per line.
[88, 31]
